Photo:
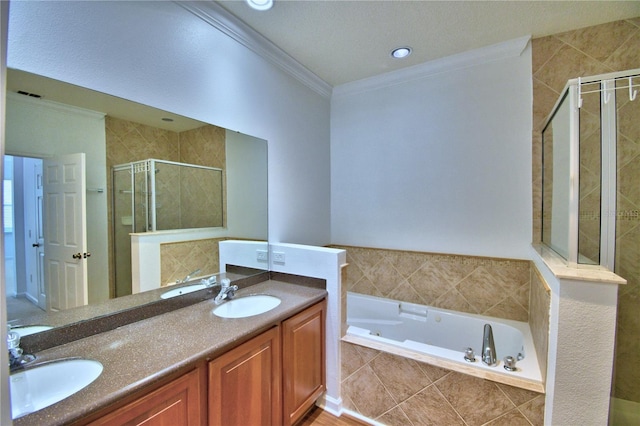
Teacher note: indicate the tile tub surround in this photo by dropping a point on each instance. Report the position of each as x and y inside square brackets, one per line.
[476, 285]
[539, 309]
[176, 351]
[398, 391]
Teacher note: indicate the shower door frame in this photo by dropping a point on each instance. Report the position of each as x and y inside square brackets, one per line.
[608, 138]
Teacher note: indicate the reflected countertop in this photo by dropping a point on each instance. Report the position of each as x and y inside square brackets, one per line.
[142, 353]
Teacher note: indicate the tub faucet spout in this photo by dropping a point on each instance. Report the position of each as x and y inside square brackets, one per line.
[488, 346]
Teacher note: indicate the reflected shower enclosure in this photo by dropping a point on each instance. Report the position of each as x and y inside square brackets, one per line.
[157, 195]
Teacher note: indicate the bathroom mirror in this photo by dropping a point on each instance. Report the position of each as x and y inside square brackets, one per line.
[48, 118]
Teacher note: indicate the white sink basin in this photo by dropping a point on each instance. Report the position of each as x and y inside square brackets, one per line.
[182, 290]
[247, 306]
[36, 388]
[26, 330]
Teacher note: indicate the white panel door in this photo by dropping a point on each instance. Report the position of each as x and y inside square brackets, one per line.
[65, 237]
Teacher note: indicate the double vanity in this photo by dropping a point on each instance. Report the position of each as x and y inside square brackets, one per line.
[256, 359]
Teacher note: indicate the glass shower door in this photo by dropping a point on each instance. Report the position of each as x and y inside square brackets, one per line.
[122, 227]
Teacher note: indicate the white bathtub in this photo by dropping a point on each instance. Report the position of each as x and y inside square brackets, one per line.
[440, 337]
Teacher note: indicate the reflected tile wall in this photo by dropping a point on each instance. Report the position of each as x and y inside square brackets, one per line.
[178, 259]
[127, 141]
[398, 391]
[477, 285]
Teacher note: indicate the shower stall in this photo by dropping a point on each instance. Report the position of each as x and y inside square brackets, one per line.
[591, 204]
[157, 195]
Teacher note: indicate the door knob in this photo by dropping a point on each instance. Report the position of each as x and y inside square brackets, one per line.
[87, 255]
[77, 256]
[35, 245]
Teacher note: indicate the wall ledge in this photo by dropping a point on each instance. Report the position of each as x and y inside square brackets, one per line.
[563, 270]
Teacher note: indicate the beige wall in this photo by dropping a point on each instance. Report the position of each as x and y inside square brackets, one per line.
[589, 51]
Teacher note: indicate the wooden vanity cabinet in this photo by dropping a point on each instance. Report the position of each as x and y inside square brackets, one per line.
[180, 402]
[272, 379]
[303, 361]
[245, 383]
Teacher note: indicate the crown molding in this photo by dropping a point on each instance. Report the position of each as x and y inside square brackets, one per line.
[511, 48]
[219, 18]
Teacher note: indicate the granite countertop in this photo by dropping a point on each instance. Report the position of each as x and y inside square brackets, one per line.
[139, 354]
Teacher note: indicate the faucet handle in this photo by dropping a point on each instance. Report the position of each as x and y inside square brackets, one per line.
[209, 282]
[225, 283]
[510, 363]
[13, 340]
[469, 356]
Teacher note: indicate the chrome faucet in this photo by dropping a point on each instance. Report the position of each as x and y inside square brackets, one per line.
[17, 358]
[188, 277]
[227, 291]
[209, 282]
[488, 346]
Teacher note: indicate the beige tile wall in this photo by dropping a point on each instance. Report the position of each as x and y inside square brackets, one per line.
[398, 391]
[627, 373]
[179, 259]
[560, 57]
[539, 306]
[477, 285]
[588, 51]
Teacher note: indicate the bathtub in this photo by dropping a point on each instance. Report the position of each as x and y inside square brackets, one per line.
[440, 337]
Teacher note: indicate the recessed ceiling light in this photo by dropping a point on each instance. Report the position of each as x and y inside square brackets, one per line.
[401, 52]
[260, 4]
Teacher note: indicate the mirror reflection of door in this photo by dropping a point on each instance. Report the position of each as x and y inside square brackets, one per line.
[34, 233]
[24, 238]
[65, 237]
[24, 218]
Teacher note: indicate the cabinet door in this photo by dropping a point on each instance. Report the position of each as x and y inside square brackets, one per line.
[303, 365]
[176, 403]
[245, 383]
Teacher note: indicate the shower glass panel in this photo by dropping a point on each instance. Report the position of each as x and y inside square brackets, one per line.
[626, 383]
[187, 196]
[590, 166]
[141, 192]
[168, 195]
[122, 226]
[556, 180]
[157, 195]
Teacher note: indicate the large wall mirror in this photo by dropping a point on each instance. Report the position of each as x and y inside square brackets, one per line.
[208, 184]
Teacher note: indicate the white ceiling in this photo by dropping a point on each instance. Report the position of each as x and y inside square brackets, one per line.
[344, 41]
